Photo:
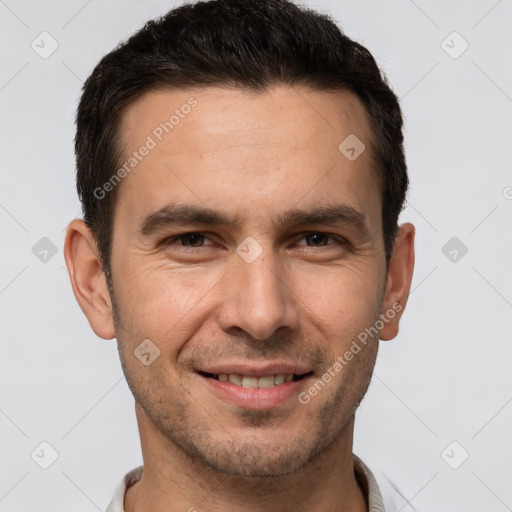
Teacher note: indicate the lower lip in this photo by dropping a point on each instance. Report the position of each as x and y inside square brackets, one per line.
[254, 398]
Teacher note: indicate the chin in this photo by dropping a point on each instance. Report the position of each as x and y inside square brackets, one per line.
[262, 456]
[252, 463]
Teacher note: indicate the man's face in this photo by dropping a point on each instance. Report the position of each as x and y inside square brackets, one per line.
[266, 294]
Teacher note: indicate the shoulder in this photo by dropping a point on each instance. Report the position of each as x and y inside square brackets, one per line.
[383, 494]
[117, 503]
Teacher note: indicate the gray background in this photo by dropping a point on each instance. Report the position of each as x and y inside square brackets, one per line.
[445, 379]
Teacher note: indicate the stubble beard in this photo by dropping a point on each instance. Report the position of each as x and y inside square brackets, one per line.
[266, 451]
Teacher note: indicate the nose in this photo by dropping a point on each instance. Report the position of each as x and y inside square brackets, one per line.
[258, 298]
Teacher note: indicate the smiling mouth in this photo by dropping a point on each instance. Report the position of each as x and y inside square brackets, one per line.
[263, 382]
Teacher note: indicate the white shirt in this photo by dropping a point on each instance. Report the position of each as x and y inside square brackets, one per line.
[382, 495]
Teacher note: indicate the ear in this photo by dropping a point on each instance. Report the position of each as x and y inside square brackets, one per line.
[88, 280]
[401, 266]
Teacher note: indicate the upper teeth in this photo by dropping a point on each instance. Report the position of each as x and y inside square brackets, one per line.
[268, 381]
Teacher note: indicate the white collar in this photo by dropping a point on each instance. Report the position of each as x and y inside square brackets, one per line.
[381, 494]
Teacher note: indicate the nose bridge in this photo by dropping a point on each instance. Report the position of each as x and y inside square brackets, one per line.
[257, 299]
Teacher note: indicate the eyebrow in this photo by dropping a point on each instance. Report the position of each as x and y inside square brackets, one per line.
[176, 214]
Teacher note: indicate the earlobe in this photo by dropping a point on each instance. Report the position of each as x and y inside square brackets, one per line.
[398, 285]
[88, 279]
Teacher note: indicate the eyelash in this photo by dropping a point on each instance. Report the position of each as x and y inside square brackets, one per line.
[171, 240]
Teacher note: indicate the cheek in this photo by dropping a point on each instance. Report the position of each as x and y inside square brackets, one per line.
[345, 300]
[169, 304]
[161, 303]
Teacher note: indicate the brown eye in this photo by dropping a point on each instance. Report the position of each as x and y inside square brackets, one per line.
[320, 240]
[191, 239]
[186, 240]
[317, 239]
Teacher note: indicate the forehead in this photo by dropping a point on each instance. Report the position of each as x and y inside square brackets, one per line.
[233, 149]
[220, 113]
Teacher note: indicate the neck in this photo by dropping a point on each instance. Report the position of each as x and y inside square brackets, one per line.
[172, 481]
